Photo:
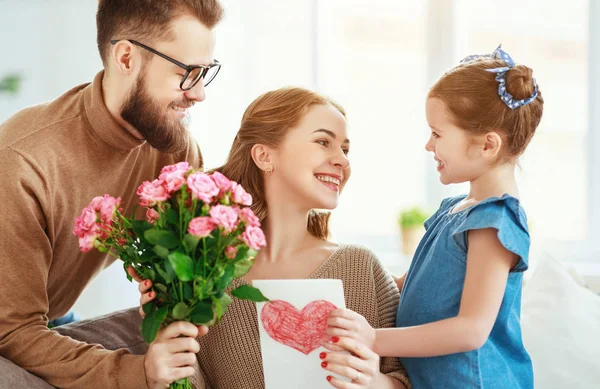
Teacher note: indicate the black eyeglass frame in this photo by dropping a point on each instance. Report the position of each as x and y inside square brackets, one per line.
[188, 68]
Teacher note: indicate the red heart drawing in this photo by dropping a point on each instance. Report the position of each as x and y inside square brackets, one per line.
[301, 330]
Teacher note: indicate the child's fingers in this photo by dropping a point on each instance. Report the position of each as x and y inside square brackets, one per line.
[343, 313]
[342, 322]
[333, 331]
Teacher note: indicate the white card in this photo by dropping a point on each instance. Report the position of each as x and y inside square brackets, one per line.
[291, 329]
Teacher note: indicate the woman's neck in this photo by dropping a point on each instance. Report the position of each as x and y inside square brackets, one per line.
[285, 232]
[496, 182]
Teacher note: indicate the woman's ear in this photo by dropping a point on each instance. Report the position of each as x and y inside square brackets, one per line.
[262, 157]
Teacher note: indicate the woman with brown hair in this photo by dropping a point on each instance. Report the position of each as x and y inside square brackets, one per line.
[291, 155]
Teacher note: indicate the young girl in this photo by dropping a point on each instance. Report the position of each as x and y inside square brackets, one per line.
[458, 319]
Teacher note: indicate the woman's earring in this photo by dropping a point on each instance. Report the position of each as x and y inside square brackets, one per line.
[269, 170]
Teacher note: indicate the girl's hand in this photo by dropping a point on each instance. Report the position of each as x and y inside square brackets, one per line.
[361, 366]
[349, 324]
[399, 281]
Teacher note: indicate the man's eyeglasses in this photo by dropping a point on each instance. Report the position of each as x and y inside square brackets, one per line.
[193, 73]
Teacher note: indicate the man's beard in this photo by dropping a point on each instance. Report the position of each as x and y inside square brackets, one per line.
[165, 134]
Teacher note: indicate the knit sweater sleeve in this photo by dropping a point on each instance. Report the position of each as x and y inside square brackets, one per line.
[388, 299]
[26, 254]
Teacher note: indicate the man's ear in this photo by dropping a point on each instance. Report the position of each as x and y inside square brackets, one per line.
[123, 58]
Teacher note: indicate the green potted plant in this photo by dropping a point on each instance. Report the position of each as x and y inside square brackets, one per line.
[10, 83]
[411, 226]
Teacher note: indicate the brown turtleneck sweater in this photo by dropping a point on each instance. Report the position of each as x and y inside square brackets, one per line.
[54, 158]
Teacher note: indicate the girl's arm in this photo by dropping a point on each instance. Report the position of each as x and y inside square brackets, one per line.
[488, 266]
[399, 281]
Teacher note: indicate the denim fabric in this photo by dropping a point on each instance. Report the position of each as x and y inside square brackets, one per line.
[433, 289]
[70, 317]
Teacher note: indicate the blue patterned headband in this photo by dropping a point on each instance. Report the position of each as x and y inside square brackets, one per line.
[506, 97]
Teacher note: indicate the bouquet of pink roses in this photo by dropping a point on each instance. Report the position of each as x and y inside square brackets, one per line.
[199, 235]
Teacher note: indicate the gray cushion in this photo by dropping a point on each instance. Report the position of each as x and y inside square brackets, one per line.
[14, 377]
[113, 331]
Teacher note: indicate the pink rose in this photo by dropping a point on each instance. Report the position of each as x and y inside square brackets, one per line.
[239, 194]
[254, 237]
[224, 216]
[86, 242]
[152, 193]
[180, 166]
[202, 186]
[96, 203]
[201, 226]
[108, 208]
[152, 215]
[174, 175]
[85, 222]
[231, 252]
[248, 217]
[221, 181]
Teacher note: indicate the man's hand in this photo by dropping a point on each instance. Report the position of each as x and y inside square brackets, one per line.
[172, 355]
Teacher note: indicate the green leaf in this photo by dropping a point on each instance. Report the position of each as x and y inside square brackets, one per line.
[221, 305]
[241, 254]
[141, 226]
[125, 266]
[199, 291]
[188, 292]
[241, 268]
[147, 255]
[161, 287]
[149, 274]
[180, 311]
[172, 217]
[183, 266]
[164, 238]
[248, 292]
[149, 307]
[160, 251]
[152, 322]
[199, 270]
[224, 281]
[190, 242]
[168, 274]
[201, 313]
